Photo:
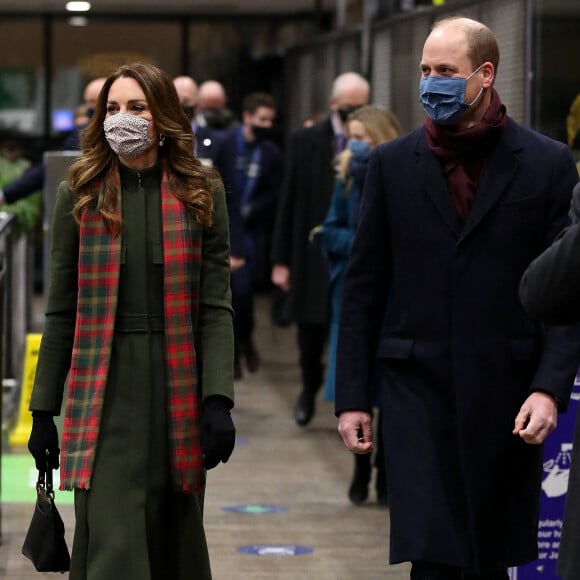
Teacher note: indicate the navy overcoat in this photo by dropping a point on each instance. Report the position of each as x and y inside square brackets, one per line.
[437, 302]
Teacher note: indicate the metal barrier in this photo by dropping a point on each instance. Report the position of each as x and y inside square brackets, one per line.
[6, 231]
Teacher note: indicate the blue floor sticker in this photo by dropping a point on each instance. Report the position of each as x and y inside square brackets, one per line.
[275, 550]
[255, 509]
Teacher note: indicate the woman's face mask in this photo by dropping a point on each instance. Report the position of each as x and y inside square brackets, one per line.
[443, 98]
[127, 134]
[359, 148]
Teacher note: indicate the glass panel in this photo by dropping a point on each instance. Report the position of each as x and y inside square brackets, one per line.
[21, 75]
[556, 85]
[81, 53]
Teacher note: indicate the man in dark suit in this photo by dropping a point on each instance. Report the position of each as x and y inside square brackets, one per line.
[550, 293]
[298, 265]
[451, 215]
[211, 148]
[258, 177]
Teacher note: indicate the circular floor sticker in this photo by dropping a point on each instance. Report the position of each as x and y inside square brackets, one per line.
[275, 550]
[256, 509]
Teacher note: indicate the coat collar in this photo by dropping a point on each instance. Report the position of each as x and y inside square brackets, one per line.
[498, 174]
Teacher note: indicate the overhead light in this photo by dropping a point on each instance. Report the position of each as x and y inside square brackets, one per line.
[78, 21]
[78, 6]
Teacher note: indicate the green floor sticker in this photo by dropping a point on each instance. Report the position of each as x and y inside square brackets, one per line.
[19, 481]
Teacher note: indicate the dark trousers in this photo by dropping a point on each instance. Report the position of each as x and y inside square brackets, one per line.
[311, 341]
[435, 571]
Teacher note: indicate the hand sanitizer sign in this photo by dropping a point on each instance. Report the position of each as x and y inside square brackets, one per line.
[557, 459]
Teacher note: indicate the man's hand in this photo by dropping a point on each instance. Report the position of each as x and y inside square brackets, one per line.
[236, 263]
[353, 424]
[281, 276]
[537, 418]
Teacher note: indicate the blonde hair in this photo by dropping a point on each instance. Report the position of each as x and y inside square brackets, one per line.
[380, 124]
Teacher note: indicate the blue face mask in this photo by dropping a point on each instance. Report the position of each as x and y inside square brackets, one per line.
[359, 148]
[443, 98]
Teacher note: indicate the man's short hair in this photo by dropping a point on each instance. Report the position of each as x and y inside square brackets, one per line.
[254, 101]
[482, 45]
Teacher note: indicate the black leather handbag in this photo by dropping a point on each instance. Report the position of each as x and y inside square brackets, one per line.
[45, 544]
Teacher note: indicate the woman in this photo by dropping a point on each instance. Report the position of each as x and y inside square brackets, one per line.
[366, 128]
[139, 312]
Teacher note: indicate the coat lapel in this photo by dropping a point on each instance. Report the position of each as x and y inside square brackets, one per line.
[497, 176]
[433, 182]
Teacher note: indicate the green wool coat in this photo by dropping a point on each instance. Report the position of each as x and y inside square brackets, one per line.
[133, 523]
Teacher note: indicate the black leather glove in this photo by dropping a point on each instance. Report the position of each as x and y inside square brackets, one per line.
[43, 442]
[218, 434]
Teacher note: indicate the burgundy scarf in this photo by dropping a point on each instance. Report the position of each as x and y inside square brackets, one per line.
[463, 154]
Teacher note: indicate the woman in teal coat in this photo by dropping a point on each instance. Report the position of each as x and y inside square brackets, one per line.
[139, 313]
[366, 127]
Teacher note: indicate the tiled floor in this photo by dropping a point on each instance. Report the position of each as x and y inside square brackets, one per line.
[302, 471]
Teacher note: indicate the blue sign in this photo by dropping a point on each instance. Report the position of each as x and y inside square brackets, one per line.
[275, 550]
[242, 441]
[557, 461]
[256, 509]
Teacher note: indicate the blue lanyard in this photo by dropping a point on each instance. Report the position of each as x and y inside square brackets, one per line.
[252, 171]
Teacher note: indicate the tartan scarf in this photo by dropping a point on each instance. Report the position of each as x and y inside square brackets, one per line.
[98, 279]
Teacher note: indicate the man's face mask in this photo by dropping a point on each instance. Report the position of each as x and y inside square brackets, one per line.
[443, 98]
[216, 119]
[344, 112]
[127, 134]
[261, 133]
[189, 111]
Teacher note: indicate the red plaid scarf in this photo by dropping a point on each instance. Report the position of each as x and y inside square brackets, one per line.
[98, 280]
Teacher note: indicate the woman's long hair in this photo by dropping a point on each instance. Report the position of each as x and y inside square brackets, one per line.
[187, 176]
[381, 125]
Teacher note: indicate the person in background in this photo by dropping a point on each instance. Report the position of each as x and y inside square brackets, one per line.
[33, 180]
[298, 267]
[451, 215]
[212, 149]
[550, 291]
[13, 163]
[366, 128]
[212, 110]
[139, 312]
[258, 177]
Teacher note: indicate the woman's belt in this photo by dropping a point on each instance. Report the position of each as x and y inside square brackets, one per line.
[139, 323]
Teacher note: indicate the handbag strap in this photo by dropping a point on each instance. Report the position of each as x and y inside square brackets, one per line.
[44, 480]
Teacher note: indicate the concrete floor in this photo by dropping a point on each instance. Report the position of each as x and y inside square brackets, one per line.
[303, 471]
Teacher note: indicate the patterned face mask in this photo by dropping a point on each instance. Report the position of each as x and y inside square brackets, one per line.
[127, 134]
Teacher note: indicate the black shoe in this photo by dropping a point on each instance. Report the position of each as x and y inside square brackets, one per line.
[251, 354]
[304, 409]
[359, 486]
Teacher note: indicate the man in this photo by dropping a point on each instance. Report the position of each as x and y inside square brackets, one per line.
[451, 215]
[550, 291]
[298, 266]
[212, 108]
[258, 177]
[211, 149]
[187, 90]
[33, 179]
